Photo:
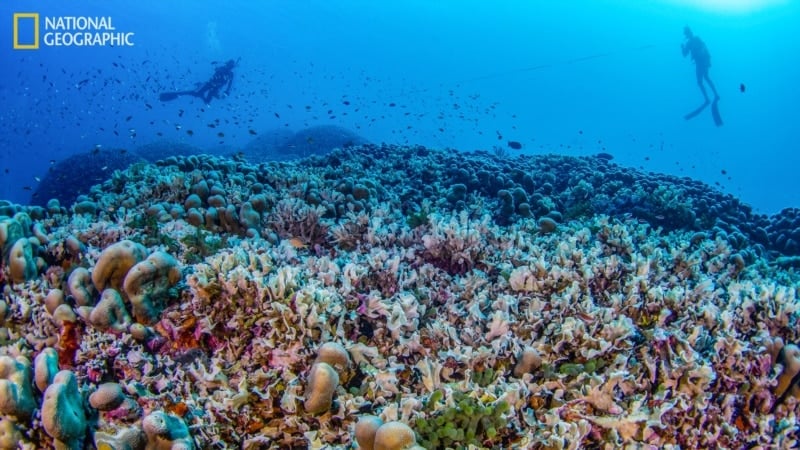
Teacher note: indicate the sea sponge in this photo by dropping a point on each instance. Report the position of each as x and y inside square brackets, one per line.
[131, 438]
[115, 262]
[21, 263]
[107, 396]
[365, 430]
[149, 280]
[110, 313]
[16, 393]
[322, 383]
[394, 436]
[166, 432]
[63, 416]
[45, 368]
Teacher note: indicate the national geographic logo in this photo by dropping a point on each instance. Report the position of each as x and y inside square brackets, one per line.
[67, 31]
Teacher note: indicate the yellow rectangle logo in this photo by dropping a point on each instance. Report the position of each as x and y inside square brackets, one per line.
[28, 46]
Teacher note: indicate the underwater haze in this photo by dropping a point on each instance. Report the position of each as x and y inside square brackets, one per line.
[573, 78]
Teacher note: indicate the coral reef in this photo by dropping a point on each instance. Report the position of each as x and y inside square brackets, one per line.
[399, 297]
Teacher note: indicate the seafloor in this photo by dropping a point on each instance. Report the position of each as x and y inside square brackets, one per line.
[484, 300]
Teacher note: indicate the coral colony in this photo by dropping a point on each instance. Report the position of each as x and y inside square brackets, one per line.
[390, 298]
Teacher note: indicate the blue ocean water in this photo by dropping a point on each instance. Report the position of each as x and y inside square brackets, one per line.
[575, 78]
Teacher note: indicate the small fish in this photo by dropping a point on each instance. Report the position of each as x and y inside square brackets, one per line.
[27, 188]
[253, 132]
[742, 88]
[37, 178]
[190, 132]
[297, 243]
[221, 134]
[515, 145]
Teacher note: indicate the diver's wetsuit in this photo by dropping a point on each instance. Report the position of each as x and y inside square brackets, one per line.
[223, 76]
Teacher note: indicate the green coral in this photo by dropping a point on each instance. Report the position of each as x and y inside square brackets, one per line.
[202, 244]
[417, 219]
[469, 422]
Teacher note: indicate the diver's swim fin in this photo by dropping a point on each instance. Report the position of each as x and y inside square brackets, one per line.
[169, 96]
[697, 111]
[715, 113]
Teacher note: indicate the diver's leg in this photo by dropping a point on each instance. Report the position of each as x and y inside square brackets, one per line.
[700, 75]
[711, 85]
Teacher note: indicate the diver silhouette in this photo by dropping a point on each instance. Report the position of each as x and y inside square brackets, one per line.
[695, 47]
[222, 78]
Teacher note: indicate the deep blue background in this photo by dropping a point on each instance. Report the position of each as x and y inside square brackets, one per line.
[572, 77]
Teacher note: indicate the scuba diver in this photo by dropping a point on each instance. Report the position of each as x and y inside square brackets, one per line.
[695, 47]
[702, 60]
[222, 78]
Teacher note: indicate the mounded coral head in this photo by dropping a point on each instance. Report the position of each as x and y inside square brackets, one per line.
[149, 280]
[10, 436]
[115, 262]
[394, 436]
[132, 438]
[45, 368]
[789, 357]
[166, 432]
[335, 355]
[21, 263]
[80, 287]
[63, 416]
[16, 393]
[110, 313]
[322, 383]
[107, 396]
[365, 430]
